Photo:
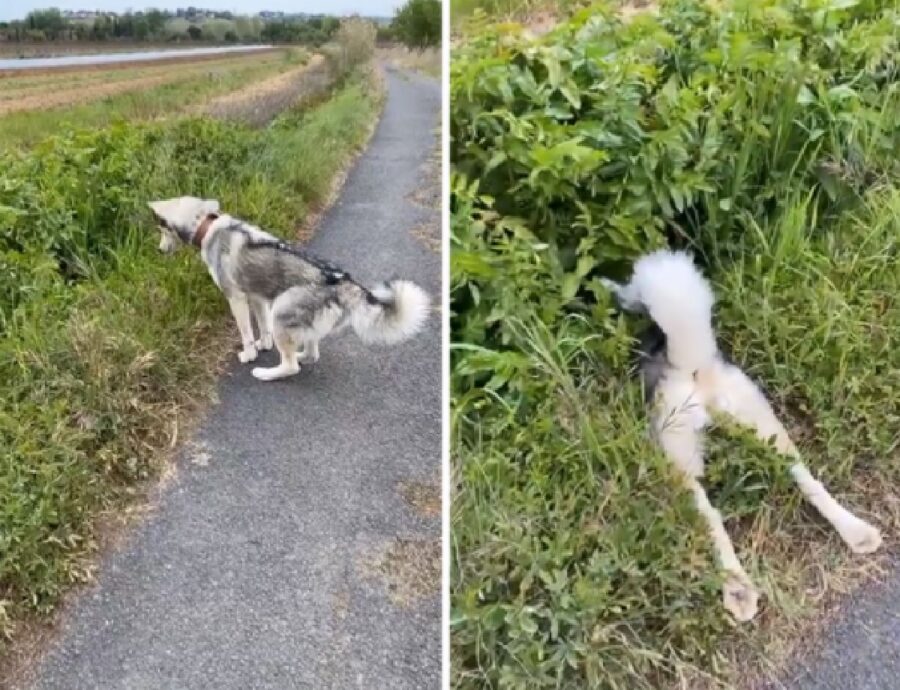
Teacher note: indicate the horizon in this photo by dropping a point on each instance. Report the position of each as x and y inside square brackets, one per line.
[368, 8]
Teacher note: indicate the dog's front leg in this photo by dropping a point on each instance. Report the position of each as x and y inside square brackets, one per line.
[240, 309]
[262, 314]
[745, 402]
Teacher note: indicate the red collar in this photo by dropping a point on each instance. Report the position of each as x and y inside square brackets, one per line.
[203, 228]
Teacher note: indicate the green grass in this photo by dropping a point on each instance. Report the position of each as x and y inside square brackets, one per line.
[103, 342]
[578, 557]
[27, 127]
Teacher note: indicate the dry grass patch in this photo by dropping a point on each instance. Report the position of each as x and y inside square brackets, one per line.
[258, 103]
[423, 497]
[426, 61]
[409, 568]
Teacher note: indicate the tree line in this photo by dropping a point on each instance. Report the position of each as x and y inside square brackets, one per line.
[417, 24]
[159, 25]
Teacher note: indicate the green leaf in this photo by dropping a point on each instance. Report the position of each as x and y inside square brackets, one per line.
[570, 285]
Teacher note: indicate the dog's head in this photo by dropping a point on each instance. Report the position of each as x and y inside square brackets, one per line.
[178, 219]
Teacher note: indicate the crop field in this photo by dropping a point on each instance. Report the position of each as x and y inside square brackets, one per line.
[34, 105]
[762, 136]
[106, 346]
[13, 49]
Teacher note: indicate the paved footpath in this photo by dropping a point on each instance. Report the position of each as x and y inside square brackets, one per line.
[860, 650]
[249, 574]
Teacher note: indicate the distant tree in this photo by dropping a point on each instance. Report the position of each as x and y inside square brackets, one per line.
[231, 37]
[330, 25]
[156, 22]
[140, 28]
[195, 32]
[418, 23]
[102, 28]
[49, 22]
[386, 34]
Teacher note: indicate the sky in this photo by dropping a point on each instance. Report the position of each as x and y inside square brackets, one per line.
[17, 9]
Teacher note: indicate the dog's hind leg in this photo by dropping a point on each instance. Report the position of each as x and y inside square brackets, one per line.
[289, 365]
[240, 309]
[739, 596]
[310, 352]
[739, 397]
[679, 434]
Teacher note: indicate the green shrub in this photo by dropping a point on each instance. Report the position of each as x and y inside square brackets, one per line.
[608, 138]
[66, 202]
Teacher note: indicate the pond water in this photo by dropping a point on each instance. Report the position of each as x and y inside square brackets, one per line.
[104, 58]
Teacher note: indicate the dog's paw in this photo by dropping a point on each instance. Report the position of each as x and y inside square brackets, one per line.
[248, 354]
[740, 597]
[304, 358]
[861, 537]
[265, 343]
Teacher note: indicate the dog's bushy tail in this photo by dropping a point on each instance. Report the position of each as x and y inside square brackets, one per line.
[680, 301]
[397, 310]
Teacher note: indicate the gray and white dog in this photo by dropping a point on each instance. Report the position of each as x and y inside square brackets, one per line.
[688, 380]
[296, 299]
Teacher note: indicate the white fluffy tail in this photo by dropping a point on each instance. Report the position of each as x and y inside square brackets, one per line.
[398, 312]
[680, 301]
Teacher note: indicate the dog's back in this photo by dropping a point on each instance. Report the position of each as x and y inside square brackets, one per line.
[244, 259]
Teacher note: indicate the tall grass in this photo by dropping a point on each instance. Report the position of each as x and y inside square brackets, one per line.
[104, 342]
[426, 60]
[353, 44]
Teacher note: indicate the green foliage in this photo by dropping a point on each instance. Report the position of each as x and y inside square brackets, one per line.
[762, 135]
[102, 339]
[623, 135]
[101, 181]
[418, 23]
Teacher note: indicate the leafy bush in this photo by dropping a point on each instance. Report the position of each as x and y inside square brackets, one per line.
[609, 138]
[762, 136]
[72, 228]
